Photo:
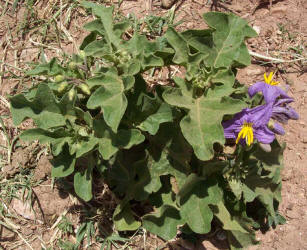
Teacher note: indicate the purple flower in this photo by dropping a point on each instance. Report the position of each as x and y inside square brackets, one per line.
[282, 112]
[268, 88]
[250, 124]
[276, 127]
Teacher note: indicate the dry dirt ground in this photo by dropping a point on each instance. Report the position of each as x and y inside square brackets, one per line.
[282, 34]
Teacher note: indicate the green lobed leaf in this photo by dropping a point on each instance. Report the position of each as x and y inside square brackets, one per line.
[111, 99]
[52, 68]
[164, 222]
[228, 222]
[83, 183]
[196, 195]
[105, 14]
[152, 123]
[44, 109]
[202, 125]
[124, 219]
[182, 56]
[63, 164]
[228, 36]
[265, 185]
[110, 142]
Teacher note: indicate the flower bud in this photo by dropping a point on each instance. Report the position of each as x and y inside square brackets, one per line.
[85, 89]
[71, 94]
[59, 78]
[82, 131]
[62, 86]
[72, 65]
[82, 54]
[265, 147]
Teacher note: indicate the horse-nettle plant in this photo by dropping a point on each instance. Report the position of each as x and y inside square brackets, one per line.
[164, 149]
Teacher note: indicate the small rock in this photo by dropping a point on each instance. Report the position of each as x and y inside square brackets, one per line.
[292, 214]
[253, 71]
[23, 209]
[257, 29]
[281, 10]
[290, 206]
[168, 3]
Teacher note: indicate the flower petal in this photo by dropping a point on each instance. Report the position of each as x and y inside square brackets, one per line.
[278, 129]
[285, 113]
[260, 115]
[255, 88]
[270, 92]
[264, 135]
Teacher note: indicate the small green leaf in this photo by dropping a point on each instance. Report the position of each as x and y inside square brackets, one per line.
[58, 138]
[83, 183]
[164, 223]
[63, 164]
[152, 123]
[223, 215]
[52, 69]
[110, 143]
[124, 219]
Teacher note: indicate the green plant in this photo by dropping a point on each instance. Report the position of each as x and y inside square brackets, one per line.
[163, 148]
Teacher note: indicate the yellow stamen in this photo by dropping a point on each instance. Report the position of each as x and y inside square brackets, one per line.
[269, 79]
[247, 133]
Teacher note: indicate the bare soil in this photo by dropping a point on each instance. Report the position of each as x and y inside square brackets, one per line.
[282, 33]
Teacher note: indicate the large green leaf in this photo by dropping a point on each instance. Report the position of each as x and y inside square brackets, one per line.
[164, 223]
[57, 138]
[44, 109]
[228, 222]
[196, 195]
[202, 125]
[230, 32]
[182, 56]
[105, 14]
[111, 99]
[265, 185]
[146, 52]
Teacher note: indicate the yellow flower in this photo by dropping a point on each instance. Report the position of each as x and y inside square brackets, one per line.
[247, 133]
[269, 79]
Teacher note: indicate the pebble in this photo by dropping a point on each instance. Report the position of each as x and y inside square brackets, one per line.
[257, 29]
[256, 71]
